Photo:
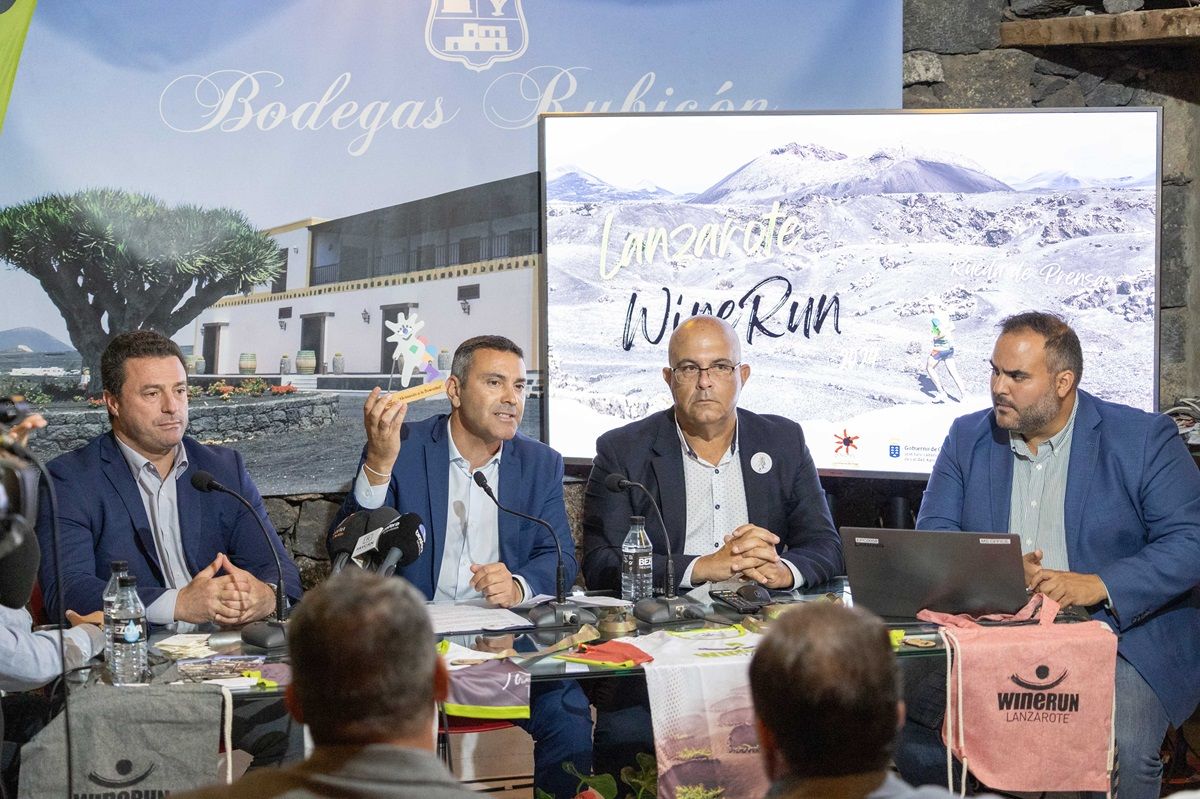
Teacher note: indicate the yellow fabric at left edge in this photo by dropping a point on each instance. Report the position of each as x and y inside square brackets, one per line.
[14, 24]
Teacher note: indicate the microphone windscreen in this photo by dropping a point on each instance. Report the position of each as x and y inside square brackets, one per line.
[346, 534]
[381, 517]
[18, 572]
[615, 483]
[203, 481]
[408, 536]
[479, 479]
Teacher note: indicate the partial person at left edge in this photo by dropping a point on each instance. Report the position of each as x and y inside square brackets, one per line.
[127, 495]
[29, 658]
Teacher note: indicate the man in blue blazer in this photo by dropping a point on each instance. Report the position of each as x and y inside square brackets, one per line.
[1106, 500]
[127, 495]
[473, 550]
[739, 495]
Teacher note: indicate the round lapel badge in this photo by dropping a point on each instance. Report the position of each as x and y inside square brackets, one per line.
[760, 462]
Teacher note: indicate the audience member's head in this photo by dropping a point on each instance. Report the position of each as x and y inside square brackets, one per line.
[826, 694]
[364, 669]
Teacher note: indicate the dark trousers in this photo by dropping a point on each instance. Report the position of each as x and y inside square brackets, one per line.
[623, 726]
[560, 723]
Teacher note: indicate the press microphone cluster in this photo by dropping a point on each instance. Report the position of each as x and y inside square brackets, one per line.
[560, 612]
[263, 634]
[379, 540]
[655, 610]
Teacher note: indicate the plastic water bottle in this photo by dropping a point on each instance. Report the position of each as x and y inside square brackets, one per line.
[637, 562]
[109, 598]
[129, 634]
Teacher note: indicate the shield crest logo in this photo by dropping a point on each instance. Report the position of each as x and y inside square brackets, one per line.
[477, 33]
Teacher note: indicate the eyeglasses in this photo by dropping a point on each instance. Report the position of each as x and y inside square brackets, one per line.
[690, 372]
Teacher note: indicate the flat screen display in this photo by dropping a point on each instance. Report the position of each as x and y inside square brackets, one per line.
[864, 260]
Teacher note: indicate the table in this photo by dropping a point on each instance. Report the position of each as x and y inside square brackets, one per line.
[551, 668]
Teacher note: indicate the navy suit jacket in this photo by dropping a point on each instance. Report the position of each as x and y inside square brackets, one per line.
[1132, 514]
[531, 476]
[787, 500]
[101, 518]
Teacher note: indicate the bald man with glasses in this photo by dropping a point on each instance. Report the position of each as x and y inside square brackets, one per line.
[739, 496]
[739, 491]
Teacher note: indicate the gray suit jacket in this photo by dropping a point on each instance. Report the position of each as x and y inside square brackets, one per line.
[375, 771]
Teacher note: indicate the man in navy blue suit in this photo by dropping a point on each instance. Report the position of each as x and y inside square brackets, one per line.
[1106, 500]
[739, 491]
[127, 495]
[473, 550]
[739, 495]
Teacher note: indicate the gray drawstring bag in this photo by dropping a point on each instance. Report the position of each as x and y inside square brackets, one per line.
[133, 741]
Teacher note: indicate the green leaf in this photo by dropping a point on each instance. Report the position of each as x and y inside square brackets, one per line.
[603, 784]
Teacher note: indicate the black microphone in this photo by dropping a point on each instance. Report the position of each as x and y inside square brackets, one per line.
[669, 607]
[263, 634]
[560, 612]
[345, 537]
[404, 543]
[368, 551]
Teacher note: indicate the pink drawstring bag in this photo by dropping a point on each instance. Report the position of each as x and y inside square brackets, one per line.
[1029, 706]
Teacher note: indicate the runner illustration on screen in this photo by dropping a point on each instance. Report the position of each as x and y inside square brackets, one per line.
[942, 328]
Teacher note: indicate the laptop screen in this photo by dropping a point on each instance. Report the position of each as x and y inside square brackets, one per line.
[897, 573]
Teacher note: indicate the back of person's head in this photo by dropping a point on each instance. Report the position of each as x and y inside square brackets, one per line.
[825, 687]
[363, 659]
[134, 344]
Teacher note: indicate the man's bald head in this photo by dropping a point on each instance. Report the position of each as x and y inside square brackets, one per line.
[705, 375]
[702, 326]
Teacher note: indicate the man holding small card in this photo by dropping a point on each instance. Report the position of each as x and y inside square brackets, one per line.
[473, 550]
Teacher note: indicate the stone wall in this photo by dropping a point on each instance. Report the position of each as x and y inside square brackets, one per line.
[216, 421]
[952, 59]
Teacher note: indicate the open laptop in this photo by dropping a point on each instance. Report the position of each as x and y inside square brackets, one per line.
[896, 573]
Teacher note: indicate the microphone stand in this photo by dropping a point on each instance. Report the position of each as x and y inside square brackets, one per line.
[263, 634]
[559, 612]
[668, 607]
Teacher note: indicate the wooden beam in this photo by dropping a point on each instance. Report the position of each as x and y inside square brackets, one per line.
[1168, 26]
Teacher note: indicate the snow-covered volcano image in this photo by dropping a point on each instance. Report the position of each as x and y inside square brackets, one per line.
[864, 259]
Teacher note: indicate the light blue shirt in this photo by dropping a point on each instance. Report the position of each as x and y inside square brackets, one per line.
[1039, 494]
[30, 659]
[472, 523]
[161, 502]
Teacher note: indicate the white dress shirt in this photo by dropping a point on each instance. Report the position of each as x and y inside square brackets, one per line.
[716, 504]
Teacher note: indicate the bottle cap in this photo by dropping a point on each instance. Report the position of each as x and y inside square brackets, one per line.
[637, 519]
[119, 566]
[126, 581]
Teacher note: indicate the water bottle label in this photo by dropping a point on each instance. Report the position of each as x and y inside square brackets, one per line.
[131, 633]
[645, 563]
